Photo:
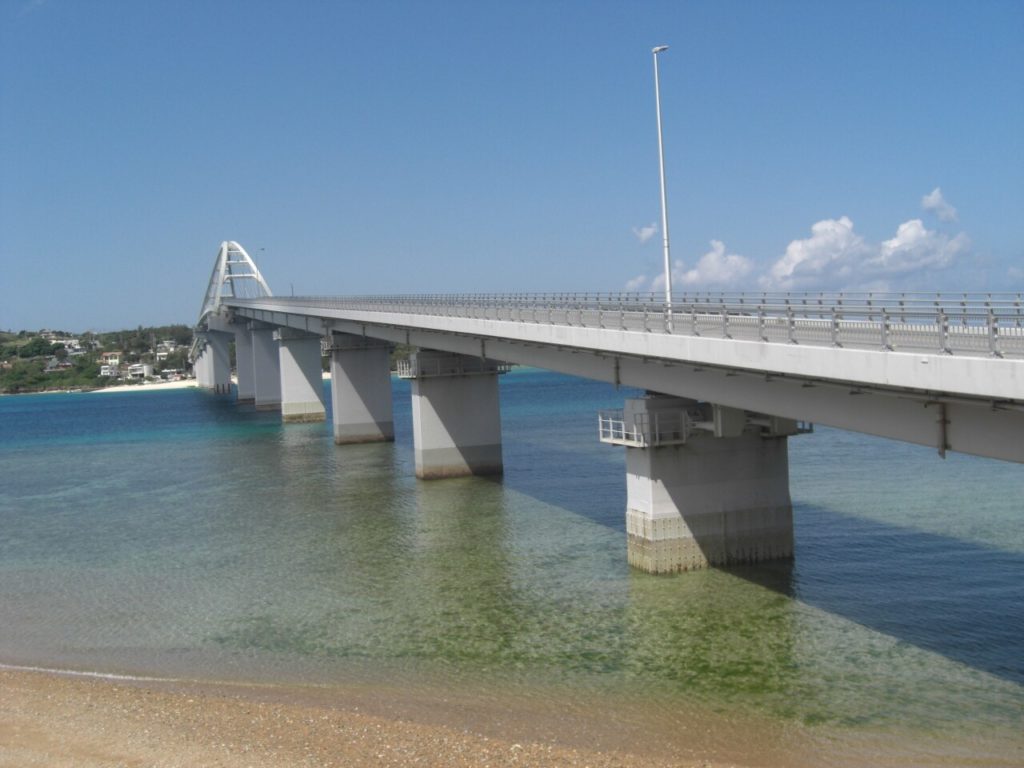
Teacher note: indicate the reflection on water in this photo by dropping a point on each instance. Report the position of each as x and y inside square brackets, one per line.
[184, 535]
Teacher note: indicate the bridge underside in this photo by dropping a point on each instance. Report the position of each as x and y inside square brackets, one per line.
[983, 427]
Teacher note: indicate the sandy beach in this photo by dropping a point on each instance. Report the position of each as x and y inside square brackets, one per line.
[56, 720]
[149, 387]
[162, 385]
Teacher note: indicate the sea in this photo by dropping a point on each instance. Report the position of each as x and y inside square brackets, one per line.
[176, 536]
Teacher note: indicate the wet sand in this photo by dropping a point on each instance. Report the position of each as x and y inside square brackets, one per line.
[49, 719]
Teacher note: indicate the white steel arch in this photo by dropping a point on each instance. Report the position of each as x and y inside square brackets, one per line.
[234, 276]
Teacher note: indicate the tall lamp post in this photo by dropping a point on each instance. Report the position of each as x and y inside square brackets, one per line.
[664, 201]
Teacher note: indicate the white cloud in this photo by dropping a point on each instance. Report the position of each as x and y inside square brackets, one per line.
[658, 283]
[716, 267]
[827, 254]
[933, 202]
[643, 234]
[915, 248]
[836, 256]
[637, 283]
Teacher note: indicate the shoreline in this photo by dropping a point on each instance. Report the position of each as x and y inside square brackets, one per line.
[152, 387]
[69, 719]
[148, 387]
[160, 386]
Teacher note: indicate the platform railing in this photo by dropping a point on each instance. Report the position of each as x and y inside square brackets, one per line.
[975, 324]
[645, 430]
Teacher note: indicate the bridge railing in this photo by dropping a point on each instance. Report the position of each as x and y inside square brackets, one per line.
[990, 324]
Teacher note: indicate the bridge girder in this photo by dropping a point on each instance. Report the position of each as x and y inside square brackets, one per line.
[942, 420]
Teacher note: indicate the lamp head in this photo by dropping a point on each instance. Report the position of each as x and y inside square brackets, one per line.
[659, 49]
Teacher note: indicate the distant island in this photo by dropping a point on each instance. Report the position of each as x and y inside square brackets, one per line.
[58, 361]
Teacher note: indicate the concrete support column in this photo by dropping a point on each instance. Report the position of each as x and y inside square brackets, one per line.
[201, 369]
[213, 366]
[456, 417]
[207, 360]
[718, 495]
[361, 390]
[266, 365]
[244, 368]
[302, 380]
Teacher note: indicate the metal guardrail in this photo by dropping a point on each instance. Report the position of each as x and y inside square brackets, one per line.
[974, 324]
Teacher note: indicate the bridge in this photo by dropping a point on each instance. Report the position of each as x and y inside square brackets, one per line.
[729, 378]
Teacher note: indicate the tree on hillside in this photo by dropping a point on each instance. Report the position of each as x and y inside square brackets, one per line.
[179, 334]
[25, 376]
[36, 347]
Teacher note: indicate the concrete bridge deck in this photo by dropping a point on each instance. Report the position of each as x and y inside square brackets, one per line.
[951, 375]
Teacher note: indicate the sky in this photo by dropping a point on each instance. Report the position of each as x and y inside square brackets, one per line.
[430, 147]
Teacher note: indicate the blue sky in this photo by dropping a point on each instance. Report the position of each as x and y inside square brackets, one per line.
[399, 147]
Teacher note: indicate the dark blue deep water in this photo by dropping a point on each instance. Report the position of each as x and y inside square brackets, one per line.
[175, 534]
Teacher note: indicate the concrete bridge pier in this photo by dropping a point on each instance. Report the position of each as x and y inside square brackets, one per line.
[266, 365]
[456, 417]
[201, 369]
[710, 488]
[302, 381]
[244, 368]
[213, 366]
[361, 390]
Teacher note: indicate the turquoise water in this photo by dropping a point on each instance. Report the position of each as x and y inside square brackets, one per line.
[174, 533]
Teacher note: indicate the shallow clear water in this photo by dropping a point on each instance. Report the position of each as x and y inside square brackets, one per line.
[175, 533]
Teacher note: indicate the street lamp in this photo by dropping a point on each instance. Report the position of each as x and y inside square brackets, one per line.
[664, 202]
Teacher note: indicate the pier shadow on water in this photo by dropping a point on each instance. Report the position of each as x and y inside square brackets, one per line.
[956, 598]
[950, 596]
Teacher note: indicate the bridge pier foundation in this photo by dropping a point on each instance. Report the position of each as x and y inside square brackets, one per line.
[244, 368]
[302, 381]
[456, 416]
[266, 364]
[718, 495]
[361, 390]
